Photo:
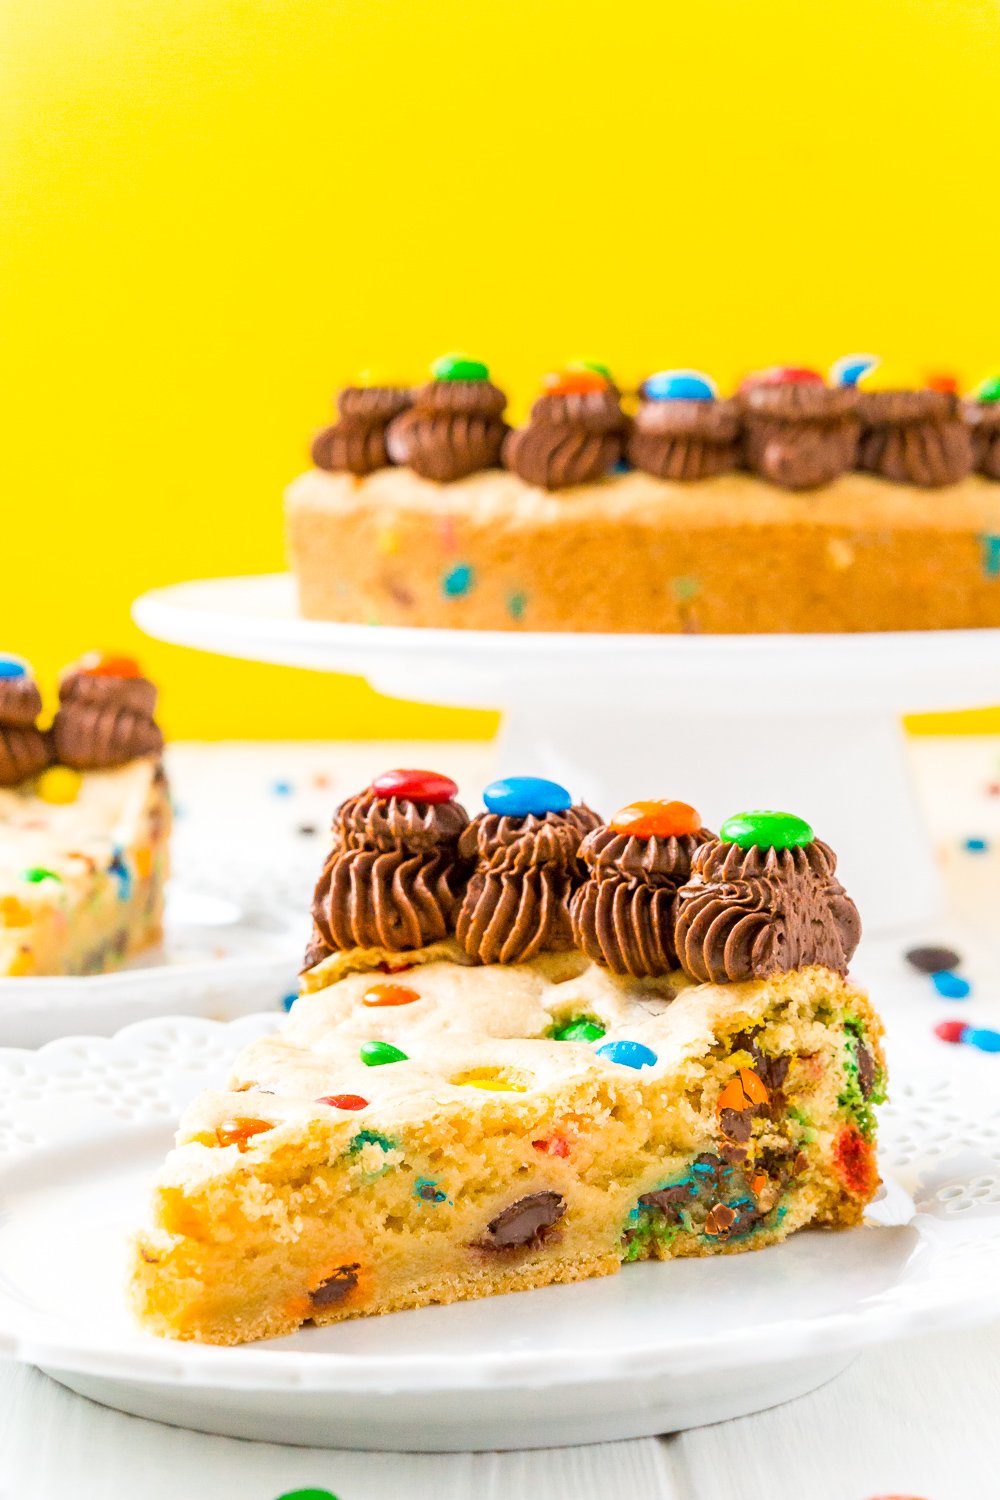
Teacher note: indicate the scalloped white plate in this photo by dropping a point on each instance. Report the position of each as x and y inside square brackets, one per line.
[216, 960]
[85, 1121]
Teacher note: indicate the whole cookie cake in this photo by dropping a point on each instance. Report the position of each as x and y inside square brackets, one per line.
[798, 504]
[531, 1047]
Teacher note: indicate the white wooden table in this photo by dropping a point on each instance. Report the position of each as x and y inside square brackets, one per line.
[919, 1419]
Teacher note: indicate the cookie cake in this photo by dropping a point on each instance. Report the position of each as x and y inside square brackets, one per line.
[84, 819]
[531, 1047]
[796, 504]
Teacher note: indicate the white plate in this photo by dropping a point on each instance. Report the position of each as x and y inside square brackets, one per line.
[216, 960]
[84, 1122]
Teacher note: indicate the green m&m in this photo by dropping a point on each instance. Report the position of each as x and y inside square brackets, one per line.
[459, 367]
[989, 390]
[764, 829]
[580, 1030]
[374, 1054]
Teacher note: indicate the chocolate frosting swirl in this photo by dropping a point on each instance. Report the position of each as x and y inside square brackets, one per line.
[517, 901]
[393, 878]
[24, 749]
[623, 916]
[368, 821]
[684, 439]
[983, 420]
[749, 913]
[392, 899]
[570, 439]
[104, 721]
[799, 435]
[914, 437]
[454, 428]
[356, 443]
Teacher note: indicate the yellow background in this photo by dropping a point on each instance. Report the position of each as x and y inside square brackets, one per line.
[213, 211]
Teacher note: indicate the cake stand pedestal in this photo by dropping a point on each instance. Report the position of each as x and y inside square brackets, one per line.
[807, 723]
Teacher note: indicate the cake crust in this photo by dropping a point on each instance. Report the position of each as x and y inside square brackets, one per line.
[633, 553]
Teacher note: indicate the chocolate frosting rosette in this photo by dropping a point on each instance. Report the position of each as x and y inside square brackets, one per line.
[355, 444]
[623, 914]
[799, 432]
[681, 430]
[24, 749]
[911, 436]
[526, 847]
[105, 716]
[393, 878]
[455, 426]
[763, 899]
[575, 434]
[982, 416]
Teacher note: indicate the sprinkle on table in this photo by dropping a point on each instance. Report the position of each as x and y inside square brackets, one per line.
[950, 985]
[933, 959]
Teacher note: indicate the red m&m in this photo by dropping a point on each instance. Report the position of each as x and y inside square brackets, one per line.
[415, 786]
[646, 820]
[102, 664]
[783, 375]
[344, 1101]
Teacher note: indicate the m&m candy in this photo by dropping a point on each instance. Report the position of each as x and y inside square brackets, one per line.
[764, 829]
[103, 664]
[951, 986]
[344, 1101]
[523, 796]
[592, 364]
[647, 820]
[388, 994]
[951, 1031]
[376, 1054]
[59, 786]
[12, 666]
[783, 375]
[578, 381]
[849, 369]
[415, 786]
[628, 1054]
[580, 1030]
[988, 390]
[459, 367]
[38, 873]
[679, 385]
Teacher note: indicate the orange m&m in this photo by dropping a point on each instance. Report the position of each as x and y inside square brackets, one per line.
[239, 1132]
[580, 381]
[646, 820]
[102, 664]
[389, 994]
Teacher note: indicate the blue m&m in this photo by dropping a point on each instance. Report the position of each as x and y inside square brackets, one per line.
[850, 368]
[628, 1054]
[12, 666]
[679, 385]
[521, 796]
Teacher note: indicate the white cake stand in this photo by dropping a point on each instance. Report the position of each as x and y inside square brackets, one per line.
[807, 723]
